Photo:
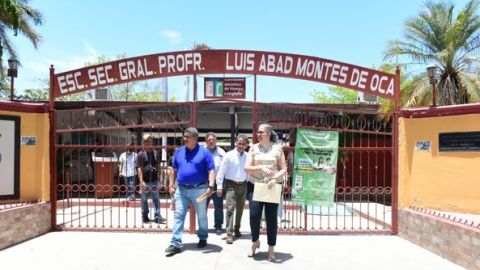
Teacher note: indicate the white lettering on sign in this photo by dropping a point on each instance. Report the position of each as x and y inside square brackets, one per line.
[359, 78]
[251, 62]
[273, 64]
[241, 62]
[99, 75]
[69, 82]
[132, 70]
[326, 71]
[182, 62]
[377, 82]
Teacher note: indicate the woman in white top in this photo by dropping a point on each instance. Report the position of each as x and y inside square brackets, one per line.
[265, 164]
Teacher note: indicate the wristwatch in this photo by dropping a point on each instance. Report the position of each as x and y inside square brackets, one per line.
[210, 187]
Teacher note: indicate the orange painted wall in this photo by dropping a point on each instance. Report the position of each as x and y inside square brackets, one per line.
[34, 159]
[447, 181]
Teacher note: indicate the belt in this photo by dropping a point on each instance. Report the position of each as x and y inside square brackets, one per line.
[235, 182]
[192, 185]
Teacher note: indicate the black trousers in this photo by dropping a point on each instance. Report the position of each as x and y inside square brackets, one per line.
[256, 209]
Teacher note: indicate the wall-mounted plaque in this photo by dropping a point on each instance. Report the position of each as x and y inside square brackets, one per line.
[459, 142]
[29, 140]
[423, 146]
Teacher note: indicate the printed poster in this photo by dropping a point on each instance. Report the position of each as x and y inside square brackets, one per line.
[315, 167]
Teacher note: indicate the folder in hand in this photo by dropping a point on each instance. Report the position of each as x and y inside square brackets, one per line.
[204, 196]
[261, 193]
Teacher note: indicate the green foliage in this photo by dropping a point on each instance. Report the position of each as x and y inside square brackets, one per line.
[450, 42]
[335, 94]
[200, 46]
[407, 87]
[10, 13]
[17, 16]
[4, 88]
[34, 95]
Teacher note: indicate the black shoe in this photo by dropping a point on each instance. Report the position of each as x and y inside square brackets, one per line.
[160, 220]
[202, 244]
[145, 219]
[218, 231]
[238, 234]
[172, 250]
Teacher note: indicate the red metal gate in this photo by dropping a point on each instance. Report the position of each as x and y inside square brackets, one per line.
[363, 197]
[90, 195]
[364, 187]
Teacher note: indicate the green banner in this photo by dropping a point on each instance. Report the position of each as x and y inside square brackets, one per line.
[315, 167]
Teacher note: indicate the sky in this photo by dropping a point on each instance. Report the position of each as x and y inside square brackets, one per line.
[78, 31]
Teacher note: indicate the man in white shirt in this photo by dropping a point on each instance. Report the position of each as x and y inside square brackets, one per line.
[232, 177]
[126, 169]
[217, 154]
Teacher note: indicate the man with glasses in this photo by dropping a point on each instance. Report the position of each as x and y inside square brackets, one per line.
[233, 178]
[195, 176]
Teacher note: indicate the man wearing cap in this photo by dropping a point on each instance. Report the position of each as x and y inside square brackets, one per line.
[195, 176]
[148, 175]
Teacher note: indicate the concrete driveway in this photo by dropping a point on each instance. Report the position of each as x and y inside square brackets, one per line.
[94, 250]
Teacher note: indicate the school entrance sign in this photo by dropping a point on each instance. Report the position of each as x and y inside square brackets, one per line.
[169, 64]
[366, 178]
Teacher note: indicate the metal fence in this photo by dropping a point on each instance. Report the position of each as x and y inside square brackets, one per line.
[90, 195]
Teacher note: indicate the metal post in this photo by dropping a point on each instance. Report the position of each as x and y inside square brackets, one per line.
[53, 156]
[195, 97]
[11, 87]
[255, 88]
[231, 110]
[254, 122]
[395, 157]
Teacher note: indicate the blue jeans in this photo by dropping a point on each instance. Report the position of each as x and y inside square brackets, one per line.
[218, 209]
[183, 197]
[130, 183]
[150, 189]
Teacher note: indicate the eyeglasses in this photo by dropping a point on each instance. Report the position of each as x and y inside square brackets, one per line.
[187, 136]
[260, 132]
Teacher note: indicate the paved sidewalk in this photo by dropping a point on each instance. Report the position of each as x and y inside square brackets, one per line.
[90, 250]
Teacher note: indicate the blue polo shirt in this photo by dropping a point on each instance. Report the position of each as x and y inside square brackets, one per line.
[192, 165]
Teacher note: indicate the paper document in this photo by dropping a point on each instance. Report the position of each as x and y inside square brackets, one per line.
[261, 193]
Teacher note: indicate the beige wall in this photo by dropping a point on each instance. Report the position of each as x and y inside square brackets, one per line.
[34, 159]
[448, 181]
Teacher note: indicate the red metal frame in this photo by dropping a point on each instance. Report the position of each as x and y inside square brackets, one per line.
[364, 136]
[281, 116]
[53, 160]
[451, 110]
[24, 107]
[395, 159]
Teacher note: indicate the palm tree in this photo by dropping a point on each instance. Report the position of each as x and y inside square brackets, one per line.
[200, 46]
[450, 42]
[17, 16]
